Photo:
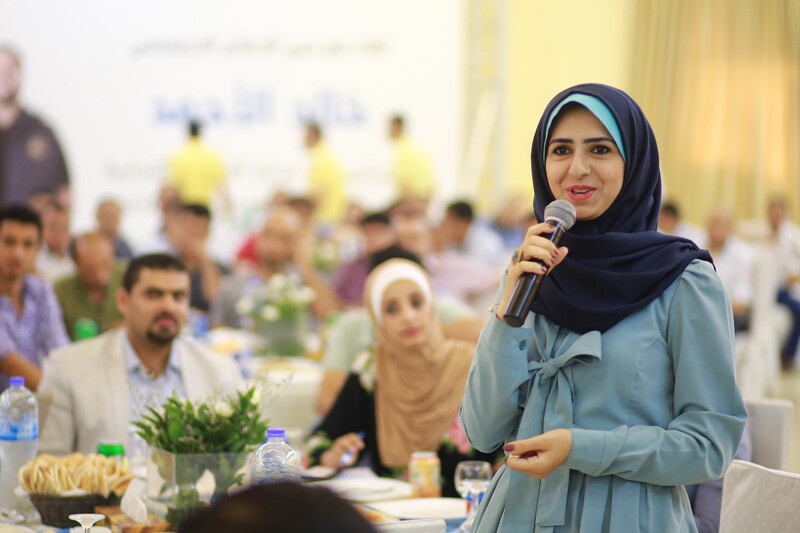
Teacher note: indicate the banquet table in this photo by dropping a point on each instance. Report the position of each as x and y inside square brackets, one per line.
[292, 382]
[392, 498]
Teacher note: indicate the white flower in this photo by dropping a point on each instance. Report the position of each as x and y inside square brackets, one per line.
[270, 313]
[294, 297]
[223, 409]
[277, 282]
[256, 398]
[305, 295]
[244, 306]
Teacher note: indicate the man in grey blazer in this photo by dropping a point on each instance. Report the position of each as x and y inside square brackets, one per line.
[101, 385]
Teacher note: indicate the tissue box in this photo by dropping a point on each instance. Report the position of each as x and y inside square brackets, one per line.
[119, 522]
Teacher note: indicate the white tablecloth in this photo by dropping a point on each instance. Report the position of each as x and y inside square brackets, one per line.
[295, 383]
[292, 383]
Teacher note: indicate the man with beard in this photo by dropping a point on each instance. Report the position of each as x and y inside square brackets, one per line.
[282, 247]
[31, 162]
[101, 385]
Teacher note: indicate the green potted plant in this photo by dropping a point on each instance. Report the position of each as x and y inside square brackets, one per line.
[189, 442]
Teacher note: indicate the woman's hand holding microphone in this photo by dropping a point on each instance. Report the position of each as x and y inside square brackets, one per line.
[534, 247]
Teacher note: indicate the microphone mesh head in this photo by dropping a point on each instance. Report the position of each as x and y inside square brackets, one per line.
[562, 211]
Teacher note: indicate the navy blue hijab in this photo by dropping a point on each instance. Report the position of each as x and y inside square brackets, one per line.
[617, 263]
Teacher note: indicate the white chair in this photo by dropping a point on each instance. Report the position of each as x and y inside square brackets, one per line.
[758, 350]
[758, 499]
[770, 427]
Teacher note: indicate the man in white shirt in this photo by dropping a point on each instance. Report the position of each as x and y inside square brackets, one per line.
[778, 239]
[785, 236]
[670, 223]
[733, 260]
[461, 232]
[101, 385]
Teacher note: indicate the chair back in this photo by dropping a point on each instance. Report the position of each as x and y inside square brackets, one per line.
[755, 498]
[770, 427]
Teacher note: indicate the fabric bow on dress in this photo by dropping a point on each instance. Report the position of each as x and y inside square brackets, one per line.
[549, 406]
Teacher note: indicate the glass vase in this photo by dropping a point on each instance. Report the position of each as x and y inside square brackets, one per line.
[284, 336]
[185, 483]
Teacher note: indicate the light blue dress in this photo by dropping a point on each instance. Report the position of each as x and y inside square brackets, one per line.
[652, 404]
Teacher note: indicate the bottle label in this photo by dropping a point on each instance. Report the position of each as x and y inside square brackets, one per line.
[26, 429]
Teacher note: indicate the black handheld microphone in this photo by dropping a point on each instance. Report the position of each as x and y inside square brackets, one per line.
[560, 214]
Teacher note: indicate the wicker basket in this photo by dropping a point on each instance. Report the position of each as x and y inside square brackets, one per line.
[55, 510]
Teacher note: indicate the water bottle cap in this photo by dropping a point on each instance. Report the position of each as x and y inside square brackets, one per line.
[276, 433]
[17, 380]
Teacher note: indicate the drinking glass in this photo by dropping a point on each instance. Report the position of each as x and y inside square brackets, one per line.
[86, 520]
[472, 480]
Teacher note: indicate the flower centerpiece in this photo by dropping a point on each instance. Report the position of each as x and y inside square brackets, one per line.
[191, 441]
[277, 311]
[325, 256]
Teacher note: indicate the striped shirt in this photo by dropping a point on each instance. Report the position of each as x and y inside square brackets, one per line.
[37, 330]
[148, 390]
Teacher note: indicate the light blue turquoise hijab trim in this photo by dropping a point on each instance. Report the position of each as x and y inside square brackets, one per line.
[598, 109]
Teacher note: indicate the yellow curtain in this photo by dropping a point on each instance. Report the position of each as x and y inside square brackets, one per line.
[720, 83]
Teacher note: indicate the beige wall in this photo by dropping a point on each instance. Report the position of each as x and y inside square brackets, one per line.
[553, 45]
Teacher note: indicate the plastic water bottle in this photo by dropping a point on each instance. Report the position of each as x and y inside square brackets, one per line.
[275, 461]
[19, 439]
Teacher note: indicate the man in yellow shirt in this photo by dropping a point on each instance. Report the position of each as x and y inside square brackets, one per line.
[197, 171]
[326, 177]
[411, 168]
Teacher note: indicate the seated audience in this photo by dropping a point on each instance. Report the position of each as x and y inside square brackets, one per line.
[54, 261]
[409, 206]
[280, 508]
[91, 293]
[170, 206]
[785, 237]
[461, 232]
[348, 280]
[510, 222]
[670, 223]
[282, 247]
[452, 273]
[779, 238]
[347, 236]
[352, 332]
[189, 238]
[306, 209]
[404, 394]
[101, 385]
[108, 215]
[733, 259]
[30, 319]
[247, 255]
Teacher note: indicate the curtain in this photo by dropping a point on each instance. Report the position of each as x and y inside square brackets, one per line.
[719, 82]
